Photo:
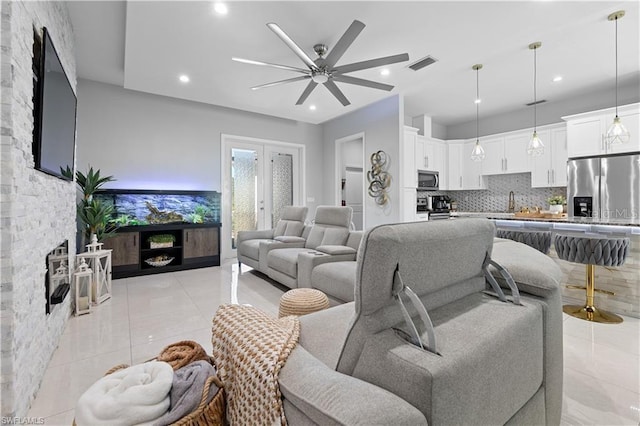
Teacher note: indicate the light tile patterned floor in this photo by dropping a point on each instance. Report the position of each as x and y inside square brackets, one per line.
[601, 374]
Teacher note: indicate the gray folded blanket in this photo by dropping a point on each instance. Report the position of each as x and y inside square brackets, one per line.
[186, 391]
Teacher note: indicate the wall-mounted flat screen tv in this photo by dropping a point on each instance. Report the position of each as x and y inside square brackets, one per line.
[55, 114]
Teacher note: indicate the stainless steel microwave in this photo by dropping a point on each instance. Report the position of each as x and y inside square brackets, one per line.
[428, 180]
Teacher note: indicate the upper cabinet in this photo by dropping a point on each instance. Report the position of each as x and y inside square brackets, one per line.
[586, 132]
[454, 174]
[550, 169]
[506, 154]
[409, 166]
[472, 171]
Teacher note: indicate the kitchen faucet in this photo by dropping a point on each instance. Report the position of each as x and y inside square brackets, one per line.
[512, 202]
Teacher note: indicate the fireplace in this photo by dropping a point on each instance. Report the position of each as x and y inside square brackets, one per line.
[58, 277]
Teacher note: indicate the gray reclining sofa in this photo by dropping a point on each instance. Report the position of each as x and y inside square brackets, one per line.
[488, 361]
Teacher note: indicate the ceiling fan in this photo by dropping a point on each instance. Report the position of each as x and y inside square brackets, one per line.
[323, 70]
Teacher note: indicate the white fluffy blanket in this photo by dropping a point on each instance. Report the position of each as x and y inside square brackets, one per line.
[133, 396]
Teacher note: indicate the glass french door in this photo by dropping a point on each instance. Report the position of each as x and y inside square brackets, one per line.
[261, 179]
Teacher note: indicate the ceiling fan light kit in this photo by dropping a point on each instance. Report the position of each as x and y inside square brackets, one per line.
[323, 70]
[535, 147]
[617, 133]
[477, 154]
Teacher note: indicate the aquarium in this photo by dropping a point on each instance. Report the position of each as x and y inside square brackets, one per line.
[146, 207]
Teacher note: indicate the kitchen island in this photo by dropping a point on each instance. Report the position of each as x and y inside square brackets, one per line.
[623, 281]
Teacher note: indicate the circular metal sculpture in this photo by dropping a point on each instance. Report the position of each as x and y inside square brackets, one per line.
[379, 179]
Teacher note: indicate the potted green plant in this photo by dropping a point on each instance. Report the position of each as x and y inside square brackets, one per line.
[93, 215]
[556, 203]
[161, 240]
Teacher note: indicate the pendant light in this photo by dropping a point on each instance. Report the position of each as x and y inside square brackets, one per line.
[617, 133]
[478, 152]
[535, 147]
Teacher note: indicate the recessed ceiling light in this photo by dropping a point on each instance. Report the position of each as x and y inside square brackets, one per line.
[477, 101]
[220, 8]
[312, 107]
[184, 78]
[384, 71]
[557, 78]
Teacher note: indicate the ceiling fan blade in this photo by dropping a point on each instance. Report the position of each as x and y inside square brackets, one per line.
[362, 82]
[267, 64]
[372, 63]
[292, 45]
[277, 83]
[343, 44]
[329, 84]
[307, 91]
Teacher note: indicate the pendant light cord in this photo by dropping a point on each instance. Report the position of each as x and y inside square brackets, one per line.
[616, 66]
[535, 99]
[477, 105]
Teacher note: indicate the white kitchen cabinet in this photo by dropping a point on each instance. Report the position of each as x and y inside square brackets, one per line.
[472, 177]
[550, 169]
[409, 169]
[586, 132]
[440, 157]
[409, 207]
[506, 154]
[454, 174]
[516, 159]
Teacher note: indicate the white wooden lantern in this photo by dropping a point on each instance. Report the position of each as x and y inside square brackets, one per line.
[60, 277]
[95, 245]
[82, 279]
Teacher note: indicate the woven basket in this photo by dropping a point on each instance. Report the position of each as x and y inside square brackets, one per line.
[302, 301]
[160, 245]
[205, 414]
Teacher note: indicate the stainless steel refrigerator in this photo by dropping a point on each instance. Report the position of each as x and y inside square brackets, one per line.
[605, 187]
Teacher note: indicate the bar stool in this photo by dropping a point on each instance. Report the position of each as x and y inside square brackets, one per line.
[539, 240]
[592, 250]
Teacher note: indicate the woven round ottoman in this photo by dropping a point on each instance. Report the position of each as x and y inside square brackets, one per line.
[302, 301]
[539, 240]
[592, 250]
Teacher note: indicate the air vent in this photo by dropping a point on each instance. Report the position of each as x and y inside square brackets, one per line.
[536, 103]
[424, 62]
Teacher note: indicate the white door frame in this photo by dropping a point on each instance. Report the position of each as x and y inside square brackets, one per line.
[338, 172]
[227, 142]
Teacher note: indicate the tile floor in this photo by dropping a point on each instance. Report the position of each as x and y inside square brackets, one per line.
[602, 362]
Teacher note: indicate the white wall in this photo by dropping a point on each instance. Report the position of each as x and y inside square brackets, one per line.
[154, 142]
[382, 124]
[37, 211]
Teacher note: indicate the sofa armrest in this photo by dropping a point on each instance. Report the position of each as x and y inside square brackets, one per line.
[312, 258]
[253, 235]
[328, 397]
[535, 273]
[336, 250]
[266, 246]
[290, 239]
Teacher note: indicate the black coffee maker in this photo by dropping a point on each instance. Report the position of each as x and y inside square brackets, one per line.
[440, 203]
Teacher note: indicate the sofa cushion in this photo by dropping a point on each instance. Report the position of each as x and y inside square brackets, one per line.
[288, 228]
[334, 216]
[336, 279]
[285, 260]
[323, 235]
[489, 364]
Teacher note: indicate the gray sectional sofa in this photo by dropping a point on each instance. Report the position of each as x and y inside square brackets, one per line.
[321, 255]
[485, 361]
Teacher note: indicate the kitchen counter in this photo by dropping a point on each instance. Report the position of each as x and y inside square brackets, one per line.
[635, 222]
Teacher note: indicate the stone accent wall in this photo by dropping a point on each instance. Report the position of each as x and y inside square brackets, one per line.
[37, 211]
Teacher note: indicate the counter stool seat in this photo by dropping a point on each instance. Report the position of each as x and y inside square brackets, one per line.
[539, 240]
[592, 250]
[302, 301]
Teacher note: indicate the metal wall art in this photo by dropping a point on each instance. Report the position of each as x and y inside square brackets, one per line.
[379, 179]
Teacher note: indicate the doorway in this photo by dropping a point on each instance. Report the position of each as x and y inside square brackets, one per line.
[350, 176]
[259, 178]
